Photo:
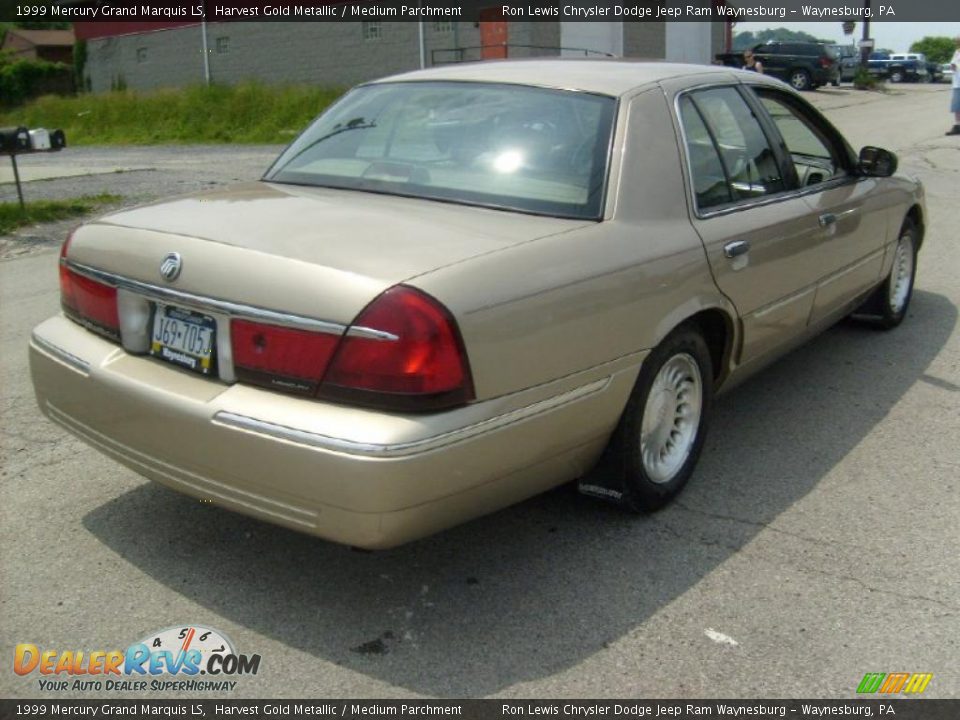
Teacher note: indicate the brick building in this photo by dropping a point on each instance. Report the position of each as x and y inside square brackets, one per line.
[146, 55]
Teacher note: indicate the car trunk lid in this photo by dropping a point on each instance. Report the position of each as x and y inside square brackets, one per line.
[313, 252]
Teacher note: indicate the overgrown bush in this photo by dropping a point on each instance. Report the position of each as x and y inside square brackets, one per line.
[863, 79]
[23, 79]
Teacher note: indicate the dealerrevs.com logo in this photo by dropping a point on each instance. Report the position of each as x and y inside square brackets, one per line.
[173, 659]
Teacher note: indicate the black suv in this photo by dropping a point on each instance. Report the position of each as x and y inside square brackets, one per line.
[805, 65]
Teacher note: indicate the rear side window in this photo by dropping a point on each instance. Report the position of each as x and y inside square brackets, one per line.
[710, 184]
[750, 168]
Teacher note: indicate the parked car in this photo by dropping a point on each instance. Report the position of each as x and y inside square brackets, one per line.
[934, 72]
[848, 60]
[898, 67]
[947, 71]
[462, 286]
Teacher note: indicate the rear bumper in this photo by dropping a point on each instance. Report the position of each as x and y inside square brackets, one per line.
[351, 475]
[825, 76]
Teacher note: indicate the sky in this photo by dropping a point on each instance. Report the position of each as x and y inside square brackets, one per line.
[896, 36]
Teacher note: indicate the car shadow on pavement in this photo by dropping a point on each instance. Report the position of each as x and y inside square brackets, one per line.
[537, 588]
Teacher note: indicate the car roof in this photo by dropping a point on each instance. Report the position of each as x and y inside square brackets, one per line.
[604, 76]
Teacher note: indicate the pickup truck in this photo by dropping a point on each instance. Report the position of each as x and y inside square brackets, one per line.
[898, 67]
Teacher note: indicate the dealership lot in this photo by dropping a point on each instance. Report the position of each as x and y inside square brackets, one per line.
[816, 542]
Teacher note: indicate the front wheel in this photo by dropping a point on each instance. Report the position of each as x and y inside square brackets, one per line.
[662, 430]
[800, 80]
[896, 76]
[890, 301]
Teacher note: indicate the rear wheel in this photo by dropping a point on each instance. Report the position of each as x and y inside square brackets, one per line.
[800, 79]
[661, 433]
[896, 76]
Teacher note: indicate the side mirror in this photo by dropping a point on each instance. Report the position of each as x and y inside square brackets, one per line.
[877, 162]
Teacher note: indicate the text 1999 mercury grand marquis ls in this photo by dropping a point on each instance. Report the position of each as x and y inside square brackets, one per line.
[462, 286]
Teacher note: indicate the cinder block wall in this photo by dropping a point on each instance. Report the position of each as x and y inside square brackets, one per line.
[646, 40]
[326, 54]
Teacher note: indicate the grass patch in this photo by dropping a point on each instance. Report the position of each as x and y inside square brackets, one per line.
[40, 211]
[246, 113]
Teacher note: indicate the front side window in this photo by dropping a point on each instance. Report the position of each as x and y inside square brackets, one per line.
[815, 156]
[506, 146]
[749, 165]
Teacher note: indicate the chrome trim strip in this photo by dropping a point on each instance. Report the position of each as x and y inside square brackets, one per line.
[371, 333]
[415, 447]
[847, 269]
[60, 354]
[227, 307]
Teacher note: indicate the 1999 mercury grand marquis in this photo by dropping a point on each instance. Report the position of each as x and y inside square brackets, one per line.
[462, 286]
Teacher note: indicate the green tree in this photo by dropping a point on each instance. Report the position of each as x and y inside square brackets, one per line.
[747, 39]
[937, 49]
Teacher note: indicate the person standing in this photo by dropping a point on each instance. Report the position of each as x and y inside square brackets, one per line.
[751, 63]
[955, 97]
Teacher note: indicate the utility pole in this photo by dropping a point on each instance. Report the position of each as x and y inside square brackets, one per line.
[864, 46]
[206, 52]
[423, 46]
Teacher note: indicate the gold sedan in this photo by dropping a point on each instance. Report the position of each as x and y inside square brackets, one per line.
[462, 286]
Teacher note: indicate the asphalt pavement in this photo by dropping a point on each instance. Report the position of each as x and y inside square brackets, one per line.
[816, 542]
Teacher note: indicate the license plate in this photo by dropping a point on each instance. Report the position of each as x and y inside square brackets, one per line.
[184, 338]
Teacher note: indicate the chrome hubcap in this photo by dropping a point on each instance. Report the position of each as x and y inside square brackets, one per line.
[671, 417]
[901, 275]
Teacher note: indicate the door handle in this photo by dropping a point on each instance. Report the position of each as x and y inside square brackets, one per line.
[827, 219]
[738, 247]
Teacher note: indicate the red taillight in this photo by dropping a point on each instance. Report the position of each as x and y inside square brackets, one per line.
[826, 62]
[280, 357]
[88, 301]
[417, 361]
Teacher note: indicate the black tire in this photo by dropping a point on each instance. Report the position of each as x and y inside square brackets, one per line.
[888, 305]
[799, 79]
[642, 491]
[896, 76]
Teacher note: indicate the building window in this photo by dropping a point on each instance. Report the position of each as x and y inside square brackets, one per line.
[223, 45]
[141, 55]
[443, 26]
[372, 30]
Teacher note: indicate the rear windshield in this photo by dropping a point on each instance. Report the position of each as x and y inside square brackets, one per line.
[506, 146]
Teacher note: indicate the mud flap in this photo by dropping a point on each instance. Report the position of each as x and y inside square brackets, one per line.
[604, 482]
